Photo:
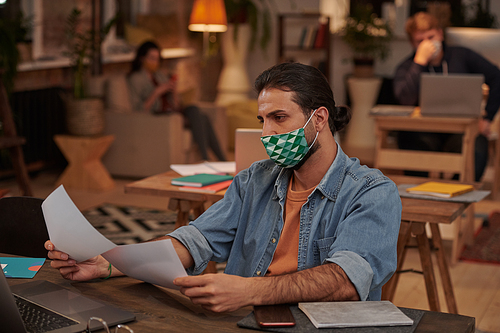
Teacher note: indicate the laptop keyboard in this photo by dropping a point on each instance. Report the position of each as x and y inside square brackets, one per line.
[39, 319]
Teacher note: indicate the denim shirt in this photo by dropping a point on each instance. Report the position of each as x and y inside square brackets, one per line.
[351, 219]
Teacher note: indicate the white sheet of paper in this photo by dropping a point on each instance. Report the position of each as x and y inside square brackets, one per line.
[69, 230]
[223, 167]
[205, 167]
[192, 169]
[153, 262]
[3, 265]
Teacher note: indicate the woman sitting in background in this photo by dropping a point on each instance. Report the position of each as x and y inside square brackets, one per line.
[152, 91]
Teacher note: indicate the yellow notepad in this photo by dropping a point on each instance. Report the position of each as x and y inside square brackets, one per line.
[442, 190]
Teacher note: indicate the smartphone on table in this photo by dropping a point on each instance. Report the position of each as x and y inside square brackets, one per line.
[278, 315]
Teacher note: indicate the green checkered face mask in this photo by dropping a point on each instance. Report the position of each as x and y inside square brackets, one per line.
[288, 149]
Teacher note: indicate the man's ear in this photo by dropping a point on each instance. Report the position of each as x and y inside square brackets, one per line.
[321, 121]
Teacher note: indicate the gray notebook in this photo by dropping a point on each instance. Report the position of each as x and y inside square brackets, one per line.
[354, 314]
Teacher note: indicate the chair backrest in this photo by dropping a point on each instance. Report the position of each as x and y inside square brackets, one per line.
[22, 227]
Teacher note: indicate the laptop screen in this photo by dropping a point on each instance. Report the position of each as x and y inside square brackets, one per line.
[248, 148]
[10, 318]
[452, 95]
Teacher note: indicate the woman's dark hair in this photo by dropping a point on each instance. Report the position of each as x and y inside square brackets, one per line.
[311, 90]
[141, 53]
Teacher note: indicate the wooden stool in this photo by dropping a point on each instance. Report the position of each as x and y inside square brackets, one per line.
[85, 169]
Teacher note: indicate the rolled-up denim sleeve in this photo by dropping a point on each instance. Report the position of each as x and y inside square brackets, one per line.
[357, 269]
[365, 245]
[197, 246]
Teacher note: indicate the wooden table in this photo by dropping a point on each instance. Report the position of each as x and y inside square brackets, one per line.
[85, 169]
[183, 202]
[399, 159]
[415, 215]
[159, 309]
[389, 158]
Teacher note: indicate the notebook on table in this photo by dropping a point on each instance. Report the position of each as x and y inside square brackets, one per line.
[452, 95]
[40, 300]
[248, 148]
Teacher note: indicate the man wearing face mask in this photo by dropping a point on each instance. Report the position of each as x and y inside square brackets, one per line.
[310, 224]
[432, 55]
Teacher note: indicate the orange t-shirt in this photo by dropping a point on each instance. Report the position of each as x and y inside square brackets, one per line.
[285, 259]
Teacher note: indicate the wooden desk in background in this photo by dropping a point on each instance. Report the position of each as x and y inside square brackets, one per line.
[160, 309]
[389, 158]
[393, 158]
[182, 202]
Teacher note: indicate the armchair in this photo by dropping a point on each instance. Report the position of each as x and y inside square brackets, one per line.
[146, 144]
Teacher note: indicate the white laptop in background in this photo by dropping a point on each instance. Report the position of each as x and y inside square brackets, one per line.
[452, 95]
[248, 148]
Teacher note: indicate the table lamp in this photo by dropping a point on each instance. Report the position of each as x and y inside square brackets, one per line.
[208, 16]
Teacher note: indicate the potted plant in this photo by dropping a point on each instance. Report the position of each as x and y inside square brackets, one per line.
[84, 114]
[368, 36]
[247, 12]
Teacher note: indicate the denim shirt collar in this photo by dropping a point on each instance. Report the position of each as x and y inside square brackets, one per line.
[329, 185]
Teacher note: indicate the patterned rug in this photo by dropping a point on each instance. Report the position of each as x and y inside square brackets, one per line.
[486, 247]
[128, 225]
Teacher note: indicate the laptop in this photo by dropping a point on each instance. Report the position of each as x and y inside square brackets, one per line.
[70, 310]
[452, 95]
[248, 148]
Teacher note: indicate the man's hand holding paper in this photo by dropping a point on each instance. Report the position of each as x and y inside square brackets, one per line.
[79, 245]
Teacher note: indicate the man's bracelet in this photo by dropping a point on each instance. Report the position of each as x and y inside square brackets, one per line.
[109, 269]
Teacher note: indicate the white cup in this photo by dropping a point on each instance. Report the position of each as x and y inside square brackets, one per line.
[439, 45]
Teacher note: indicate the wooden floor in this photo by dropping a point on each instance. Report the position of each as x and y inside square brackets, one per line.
[477, 286]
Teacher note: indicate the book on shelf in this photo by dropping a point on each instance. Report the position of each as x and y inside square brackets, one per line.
[214, 188]
[321, 35]
[199, 180]
[441, 190]
[302, 39]
[354, 314]
[310, 36]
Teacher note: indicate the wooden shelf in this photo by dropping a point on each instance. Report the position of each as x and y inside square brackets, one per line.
[295, 46]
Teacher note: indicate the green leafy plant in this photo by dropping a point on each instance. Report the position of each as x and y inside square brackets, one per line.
[257, 14]
[366, 34]
[246, 11]
[81, 47]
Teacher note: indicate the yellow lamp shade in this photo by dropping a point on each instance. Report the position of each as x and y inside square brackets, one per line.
[208, 15]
